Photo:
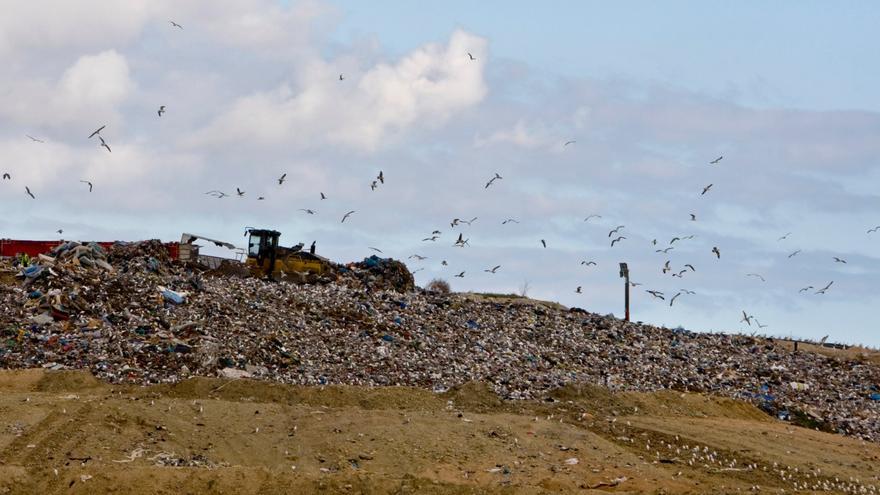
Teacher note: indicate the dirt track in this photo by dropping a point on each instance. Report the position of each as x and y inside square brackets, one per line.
[66, 432]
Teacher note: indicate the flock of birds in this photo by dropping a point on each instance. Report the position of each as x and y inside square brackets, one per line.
[615, 235]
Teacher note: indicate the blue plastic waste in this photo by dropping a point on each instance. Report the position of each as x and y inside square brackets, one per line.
[387, 338]
[172, 296]
[33, 271]
[874, 396]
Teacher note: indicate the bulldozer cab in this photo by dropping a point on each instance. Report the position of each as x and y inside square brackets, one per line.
[262, 243]
[267, 258]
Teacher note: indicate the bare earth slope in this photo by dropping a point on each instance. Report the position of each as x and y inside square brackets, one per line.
[66, 432]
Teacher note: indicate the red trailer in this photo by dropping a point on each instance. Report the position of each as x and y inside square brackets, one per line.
[14, 247]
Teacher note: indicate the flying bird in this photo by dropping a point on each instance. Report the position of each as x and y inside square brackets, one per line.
[381, 177]
[693, 217]
[322, 196]
[284, 178]
[688, 265]
[493, 179]
[346, 216]
[706, 189]
[161, 110]
[307, 210]
[471, 56]
[673, 299]
[89, 183]
[614, 241]
[460, 275]
[416, 256]
[616, 229]
[823, 289]
[373, 186]
[657, 294]
[755, 275]
[469, 222]
[432, 238]
[174, 24]
[341, 78]
[6, 176]
[794, 253]
[444, 263]
[838, 260]
[592, 216]
[673, 240]
[376, 249]
[98, 131]
[569, 142]
[493, 269]
[60, 231]
[578, 290]
[509, 220]
[29, 193]
[824, 339]
[759, 323]
[215, 193]
[685, 291]
[664, 250]
[261, 198]
[34, 139]
[544, 243]
[713, 162]
[746, 318]
[875, 229]
[635, 284]
[666, 267]
[806, 288]
[104, 144]
[588, 263]
[717, 252]
[239, 192]
[783, 237]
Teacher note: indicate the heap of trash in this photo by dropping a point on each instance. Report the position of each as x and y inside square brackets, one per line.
[132, 315]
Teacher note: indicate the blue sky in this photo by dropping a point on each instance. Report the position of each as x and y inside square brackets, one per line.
[785, 91]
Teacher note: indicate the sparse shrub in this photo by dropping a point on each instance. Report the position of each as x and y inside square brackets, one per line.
[438, 285]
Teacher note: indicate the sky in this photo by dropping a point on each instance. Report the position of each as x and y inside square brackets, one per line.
[650, 94]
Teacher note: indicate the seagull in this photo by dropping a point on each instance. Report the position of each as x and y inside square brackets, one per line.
[755, 275]
[673, 240]
[713, 162]
[759, 324]
[493, 179]
[680, 274]
[823, 340]
[161, 110]
[664, 250]
[666, 267]
[376, 249]
[239, 192]
[60, 231]
[284, 178]
[588, 263]
[373, 186]
[416, 256]
[673, 299]
[444, 263]
[616, 229]
[104, 144]
[432, 238]
[29, 193]
[215, 193]
[471, 56]
[493, 269]
[469, 222]
[436, 232]
[657, 294]
[454, 222]
[509, 220]
[746, 318]
[176, 24]
[569, 142]
[544, 243]
[617, 240]
[322, 196]
[688, 265]
[89, 183]
[460, 275]
[261, 198]
[685, 291]
[381, 177]
[34, 139]
[838, 260]
[693, 217]
[717, 252]
[98, 131]
[635, 284]
[706, 189]
[806, 288]
[592, 216]
[875, 229]
[578, 290]
[346, 216]
[794, 253]
[341, 78]
[307, 210]
[823, 289]
[783, 237]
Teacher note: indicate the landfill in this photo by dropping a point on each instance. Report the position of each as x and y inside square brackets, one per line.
[130, 314]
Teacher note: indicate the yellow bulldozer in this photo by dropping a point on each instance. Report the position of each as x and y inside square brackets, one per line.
[265, 258]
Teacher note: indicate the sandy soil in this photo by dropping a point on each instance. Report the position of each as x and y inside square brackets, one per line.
[65, 432]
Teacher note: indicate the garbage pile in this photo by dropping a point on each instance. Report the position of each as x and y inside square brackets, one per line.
[377, 273]
[147, 320]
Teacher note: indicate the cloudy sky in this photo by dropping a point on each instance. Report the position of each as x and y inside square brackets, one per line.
[785, 92]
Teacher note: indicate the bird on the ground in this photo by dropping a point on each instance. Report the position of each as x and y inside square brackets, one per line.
[34, 139]
[666, 250]
[784, 237]
[755, 275]
[673, 299]
[657, 294]
[588, 263]
[460, 275]
[161, 110]
[471, 56]
[666, 267]
[569, 142]
[323, 196]
[746, 318]
[543, 243]
[693, 217]
[706, 189]
[806, 288]
[104, 144]
[579, 290]
[823, 289]
[493, 179]
[616, 229]
[717, 252]
[97, 131]
[308, 211]
[794, 253]
[347, 215]
[239, 192]
[713, 162]
[875, 229]
[284, 178]
[89, 183]
[381, 177]
[418, 257]
[838, 260]
[174, 24]
[29, 193]
[6, 176]
[592, 216]
[375, 249]
[614, 241]
[493, 269]
[688, 265]
[509, 220]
